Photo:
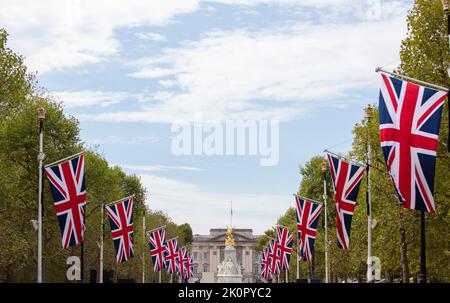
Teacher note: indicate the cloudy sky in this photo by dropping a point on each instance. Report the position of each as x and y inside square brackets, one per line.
[128, 69]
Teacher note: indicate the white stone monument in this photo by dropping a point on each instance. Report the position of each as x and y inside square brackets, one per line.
[229, 270]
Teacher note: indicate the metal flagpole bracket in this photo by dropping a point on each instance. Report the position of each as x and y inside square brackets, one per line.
[344, 158]
[117, 201]
[307, 199]
[64, 159]
[149, 231]
[379, 69]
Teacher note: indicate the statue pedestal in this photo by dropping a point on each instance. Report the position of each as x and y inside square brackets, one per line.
[229, 270]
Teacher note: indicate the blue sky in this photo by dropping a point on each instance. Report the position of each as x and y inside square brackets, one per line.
[128, 70]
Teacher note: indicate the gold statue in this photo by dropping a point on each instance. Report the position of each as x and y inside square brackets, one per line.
[229, 240]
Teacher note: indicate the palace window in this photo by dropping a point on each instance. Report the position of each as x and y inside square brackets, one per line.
[205, 268]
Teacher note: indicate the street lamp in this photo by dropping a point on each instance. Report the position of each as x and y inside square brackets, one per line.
[369, 113]
[446, 6]
[370, 223]
[41, 113]
[324, 171]
[324, 166]
[41, 157]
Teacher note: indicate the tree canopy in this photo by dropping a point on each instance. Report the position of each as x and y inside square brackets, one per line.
[424, 56]
[20, 98]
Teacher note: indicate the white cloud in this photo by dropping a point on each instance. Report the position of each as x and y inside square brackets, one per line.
[277, 73]
[153, 72]
[307, 3]
[159, 168]
[127, 140]
[90, 98]
[55, 34]
[152, 37]
[186, 202]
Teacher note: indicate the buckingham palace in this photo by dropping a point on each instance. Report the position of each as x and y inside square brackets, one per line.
[208, 252]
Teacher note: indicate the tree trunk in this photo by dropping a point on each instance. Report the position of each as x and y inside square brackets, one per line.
[404, 256]
[10, 273]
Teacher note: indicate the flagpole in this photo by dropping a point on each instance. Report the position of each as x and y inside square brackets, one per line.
[423, 267]
[143, 248]
[101, 243]
[369, 199]
[286, 276]
[159, 277]
[298, 266]
[379, 69]
[324, 169]
[231, 215]
[41, 157]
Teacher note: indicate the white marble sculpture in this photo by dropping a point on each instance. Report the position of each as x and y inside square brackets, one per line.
[229, 270]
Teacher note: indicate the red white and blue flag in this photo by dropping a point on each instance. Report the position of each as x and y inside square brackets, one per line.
[274, 257]
[120, 216]
[410, 116]
[284, 242]
[346, 181]
[182, 261]
[189, 268]
[157, 242]
[171, 255]
[265, 265]
[308, 214]
[68, 186]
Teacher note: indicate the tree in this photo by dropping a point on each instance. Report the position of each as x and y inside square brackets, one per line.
[395, 239]
[424, 55]
[16, 85]
[19, 128]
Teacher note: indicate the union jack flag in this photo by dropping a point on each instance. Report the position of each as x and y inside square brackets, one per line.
[171, 255]
[182, 260]
[68, 186]
[157, 242]
[265, 265]
[409, 116]
[189, 272]
[346, 181]
[120, 216]
[307, 219]
[274, 257]
[285, 240]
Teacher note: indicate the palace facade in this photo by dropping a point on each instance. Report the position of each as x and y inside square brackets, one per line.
[208, 252]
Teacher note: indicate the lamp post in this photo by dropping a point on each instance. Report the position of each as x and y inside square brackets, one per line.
[143, 246]
[102, 238]
[368, 199]
[41, 157]
[324, 171]
[446, 6]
